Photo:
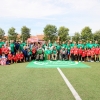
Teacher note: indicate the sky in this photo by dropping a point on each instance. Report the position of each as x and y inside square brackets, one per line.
[36, 14]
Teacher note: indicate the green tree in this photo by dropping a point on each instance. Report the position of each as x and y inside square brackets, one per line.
[50, 33]
[96, 36]
[12, 35]
[76, 37]
[86, 33]
[25, 33]
[2, 33]
[63, 34]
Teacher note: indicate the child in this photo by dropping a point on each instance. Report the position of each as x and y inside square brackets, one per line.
[17, 56]
[72, 54]
[0, 51]
[75, 53]
[92, 55]
[21, 56]
[3, 59]
[89, 55]
[80, 54]
[83, 55]
[10, 57]
[97, 54]
[14, 59]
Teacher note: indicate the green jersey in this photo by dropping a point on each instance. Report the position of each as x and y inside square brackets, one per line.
[24, 44]
[50, 44]
[80, 45]
[90, 46]
[12, 47]
[95, 45]
[54, 51]
[39, 51]
[72, 45]
[58, 47]
[48, 51]
[1, 44]
[68, 48]
[64, 45]
[21, 46]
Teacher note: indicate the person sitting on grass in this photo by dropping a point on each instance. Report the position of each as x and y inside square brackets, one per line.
[3, 59]
[54, 53]
[14, 59]
[21, 56]
[10, 57]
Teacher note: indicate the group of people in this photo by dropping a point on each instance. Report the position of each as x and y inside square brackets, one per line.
[18, 51]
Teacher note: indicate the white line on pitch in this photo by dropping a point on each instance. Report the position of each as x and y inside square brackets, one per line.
[75, 94]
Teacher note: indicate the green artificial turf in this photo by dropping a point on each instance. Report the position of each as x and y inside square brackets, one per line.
[85, 81]
[17, 82]
[20, 83]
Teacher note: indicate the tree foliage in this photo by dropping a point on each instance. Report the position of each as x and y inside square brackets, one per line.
[25, 33]
[96, 36]
[86, 34]
[63, 33]
[50, 33]
[2, 33]
[76, 37]
[12, 35]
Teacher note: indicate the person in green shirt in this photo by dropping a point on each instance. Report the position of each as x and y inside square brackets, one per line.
[63, 45]
[90, 45]
[79, 44]
[87, 44]
[96, 44]
[1, 43]
[39, 53]
[44, 45]
[55, 44]
[68, 51]
[58, 47]
[54, 53]
[21, 46]
[12, 46]
[49, 43]
[73, 44]
[48, 53]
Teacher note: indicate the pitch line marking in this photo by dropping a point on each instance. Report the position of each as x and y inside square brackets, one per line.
[75, 94]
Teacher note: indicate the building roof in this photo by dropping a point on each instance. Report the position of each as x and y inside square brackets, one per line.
[40, 37]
